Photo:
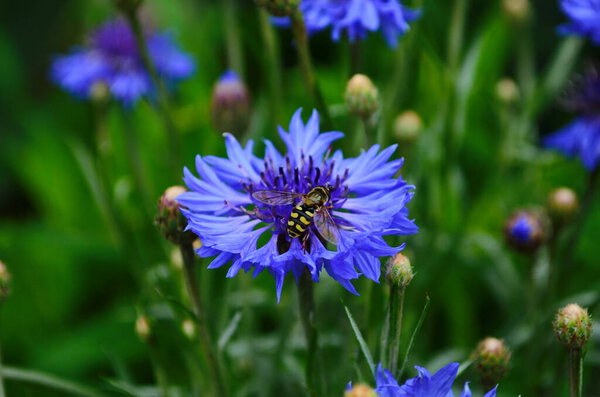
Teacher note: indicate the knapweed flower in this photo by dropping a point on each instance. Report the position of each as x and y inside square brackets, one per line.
[111, 57]
[356, 18]
[581, 138]
[526, 230]
[424, 384]
[227, 207]
[583, 18]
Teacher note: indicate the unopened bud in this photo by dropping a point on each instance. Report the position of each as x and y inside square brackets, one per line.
[143, 328]
[408, 126]
[360, 390]
[170, 221]
[4, 282]
[399, 270]
[188, 327]
[507, 91]
[230, 106]
[562, 204]
[492, 359]
[572, 326]
[362, 96]
[99, 92]
[279, 8]
[516, 10]
[526, 230]
[176, 258]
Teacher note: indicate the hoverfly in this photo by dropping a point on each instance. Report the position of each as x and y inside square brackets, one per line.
[310, 209]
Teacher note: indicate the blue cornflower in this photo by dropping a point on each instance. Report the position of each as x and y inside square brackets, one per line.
[356, 18]
[581, 138]
[367, 202]
[522, 230]
[526, 230]
[584, 16]
[423, 385]
[111, 57]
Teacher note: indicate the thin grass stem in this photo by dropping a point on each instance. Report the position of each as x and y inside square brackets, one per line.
[575, 372]
[191, 282]
[314, 378]
[162, 94]
[307, 69]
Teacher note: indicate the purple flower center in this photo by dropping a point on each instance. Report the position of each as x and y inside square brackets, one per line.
[296, 179]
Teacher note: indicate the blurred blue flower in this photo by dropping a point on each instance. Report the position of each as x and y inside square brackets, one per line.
[584, 16]
[424, 384]
[111, 57]
[580, 139]
[368, 202]
[522, 230]
[356, 18]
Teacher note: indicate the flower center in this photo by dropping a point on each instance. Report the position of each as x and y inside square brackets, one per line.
[299, 179]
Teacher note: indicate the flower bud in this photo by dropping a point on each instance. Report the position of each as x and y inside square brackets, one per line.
[4, 282]
[230, 107]
[362, 96]
[399, 270]
[507, 91]
[408, 126]
[170, 221]
[525, 230]
[360, 390]
[572, 326]
[562, 204]
[492, 359]
[142, 328]
[516, 10]
[279, 8]
[99, 92]
[188, 327]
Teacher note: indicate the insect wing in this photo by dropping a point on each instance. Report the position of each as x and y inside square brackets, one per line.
[326, 226]
[275, 197]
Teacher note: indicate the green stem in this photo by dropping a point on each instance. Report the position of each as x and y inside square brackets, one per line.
[234, 49]
[396, 308]
[163, 96]
[455, 37]
[159, 372]
[570, 247]
[191, 282]
[272, 66]
[50, 381]
[137, 166]
[306, 301]
[2, 392]
[367, 132]
[306, 66]
[355, 57]
[575, 372]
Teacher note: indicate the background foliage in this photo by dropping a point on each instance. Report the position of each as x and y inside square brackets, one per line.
[77, 292]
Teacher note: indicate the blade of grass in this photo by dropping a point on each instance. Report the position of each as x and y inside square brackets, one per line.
[361, 341]
[50, 381]
[414, 334]
[229, 331]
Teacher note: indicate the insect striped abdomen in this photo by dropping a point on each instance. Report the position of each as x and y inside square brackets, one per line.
[300, 220]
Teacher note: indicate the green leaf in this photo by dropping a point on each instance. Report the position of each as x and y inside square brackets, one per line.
[414, 334]
[50, 381]
[361, 341]
[229, 331]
